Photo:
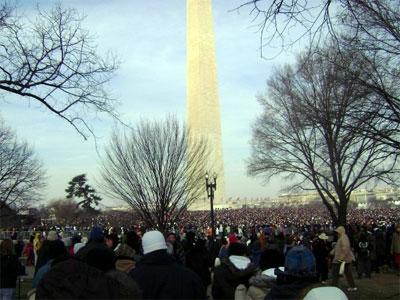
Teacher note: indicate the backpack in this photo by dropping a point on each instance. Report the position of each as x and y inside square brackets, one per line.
[363, 246]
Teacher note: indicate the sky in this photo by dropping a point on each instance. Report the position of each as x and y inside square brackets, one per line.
[149, 38]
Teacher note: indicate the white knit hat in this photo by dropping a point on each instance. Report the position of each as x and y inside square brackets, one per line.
[153, 241]
[328, 292]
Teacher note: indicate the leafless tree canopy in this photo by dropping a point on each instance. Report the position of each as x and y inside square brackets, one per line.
[374, 22]
[312, 129]
[21, 173]
[53, 61]
[157, 169]
[368, 27]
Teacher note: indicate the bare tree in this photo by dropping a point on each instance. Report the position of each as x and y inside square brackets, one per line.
[374, 23]
[21, 173]
[309, 132]
[53, 62]
[157, 169]
[369, 27]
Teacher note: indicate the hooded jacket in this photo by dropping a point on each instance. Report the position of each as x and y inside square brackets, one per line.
[342, 250]
[260, 285]
[232, 272]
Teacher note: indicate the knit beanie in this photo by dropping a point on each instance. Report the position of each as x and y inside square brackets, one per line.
[52, 236]
[232, 238]
[326, 292]
[96, 234]
[153, 241]
[300, 261]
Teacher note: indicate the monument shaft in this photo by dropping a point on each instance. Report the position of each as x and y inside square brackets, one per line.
[202, 89]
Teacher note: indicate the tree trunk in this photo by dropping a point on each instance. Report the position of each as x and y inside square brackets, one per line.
[342, 213]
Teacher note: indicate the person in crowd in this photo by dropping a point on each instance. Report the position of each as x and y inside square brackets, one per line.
[198, 259]
[37, 244]
[321, 250]
[133, 240]
[223, 251]
[233, 271]
[101, 258]
[125, 258]
[10, 269]
[261, 283]
[363, 251]
[76, 239]
[379, 250]
[111, 240]
[55, 251]
[96, 240]
[159, 276]
[175, 248]
[271, 257]
[19, 246]
[74, 279]
[395, 248]
[298, 277]
[343, 254]
[255, 250]
[128, 288]
[29, 253]
[43, 252]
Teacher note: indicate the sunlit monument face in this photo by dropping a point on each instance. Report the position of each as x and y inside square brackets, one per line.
[202, 90]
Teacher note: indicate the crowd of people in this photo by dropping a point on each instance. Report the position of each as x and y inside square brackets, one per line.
[286, 254]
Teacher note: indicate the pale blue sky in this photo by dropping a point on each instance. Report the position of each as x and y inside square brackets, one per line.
[149, 38]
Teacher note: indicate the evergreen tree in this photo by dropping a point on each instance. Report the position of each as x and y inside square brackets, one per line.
[79, 188]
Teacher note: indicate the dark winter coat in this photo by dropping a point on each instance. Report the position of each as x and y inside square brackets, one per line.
[10, 269]
[227, 277]
[83, 252]
[73, 279]
[291, 287]
[198, 260]
[159, 276]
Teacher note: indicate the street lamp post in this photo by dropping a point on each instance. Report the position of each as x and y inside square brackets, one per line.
[211, 185]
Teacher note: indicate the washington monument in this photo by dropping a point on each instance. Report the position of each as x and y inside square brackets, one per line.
[202, 90]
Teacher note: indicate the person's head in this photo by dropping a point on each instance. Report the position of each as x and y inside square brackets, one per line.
[232, 239]
[237, 249]
[300, 261]
[111, 240]
[191, 236]
[56, 249]
[132, 239]
[153, 241]
[171, 237]
[340, 231]
[124, 251]
[6, 247]
[52, 236]
[96, 235]
[102, 259]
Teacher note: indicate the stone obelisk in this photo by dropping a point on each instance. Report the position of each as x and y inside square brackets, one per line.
[202, 90]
